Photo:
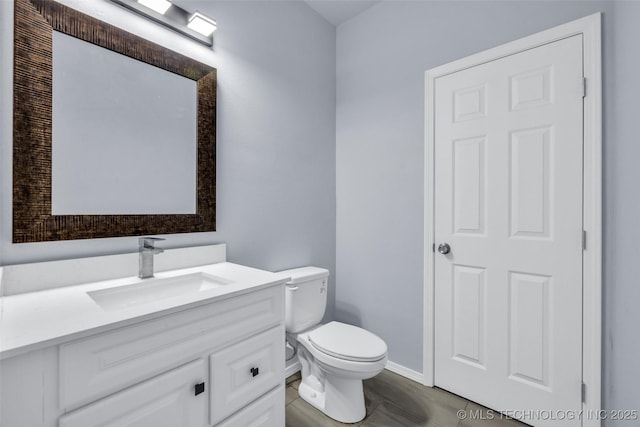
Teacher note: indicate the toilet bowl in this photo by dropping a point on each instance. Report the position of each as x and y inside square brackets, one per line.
[334, 357]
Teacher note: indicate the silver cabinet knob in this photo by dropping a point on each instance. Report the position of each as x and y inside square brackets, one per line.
[444, 248]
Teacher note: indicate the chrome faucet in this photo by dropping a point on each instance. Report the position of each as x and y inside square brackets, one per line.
[147, 249]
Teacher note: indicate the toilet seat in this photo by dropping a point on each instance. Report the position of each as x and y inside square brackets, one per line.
[348, 342]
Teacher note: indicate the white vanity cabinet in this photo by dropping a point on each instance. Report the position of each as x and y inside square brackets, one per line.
[218, 363]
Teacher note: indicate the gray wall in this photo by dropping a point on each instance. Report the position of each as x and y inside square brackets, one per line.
[621, 285]
[381, 58]
[276, 135]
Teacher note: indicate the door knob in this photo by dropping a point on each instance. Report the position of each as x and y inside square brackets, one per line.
[444, 248]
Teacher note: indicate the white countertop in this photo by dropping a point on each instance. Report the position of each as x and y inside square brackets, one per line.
[37, 320]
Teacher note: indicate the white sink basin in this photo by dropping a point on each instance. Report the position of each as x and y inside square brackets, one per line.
[151, 290]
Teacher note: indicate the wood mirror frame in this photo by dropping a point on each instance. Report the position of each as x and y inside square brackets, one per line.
[35, 21]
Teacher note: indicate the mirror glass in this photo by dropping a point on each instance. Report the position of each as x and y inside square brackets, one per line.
[124, 137]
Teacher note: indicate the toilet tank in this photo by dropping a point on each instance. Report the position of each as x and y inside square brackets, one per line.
[305, 297]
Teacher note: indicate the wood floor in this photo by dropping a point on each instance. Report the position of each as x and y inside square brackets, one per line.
[392, 400]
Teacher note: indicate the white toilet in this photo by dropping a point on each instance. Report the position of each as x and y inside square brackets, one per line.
[334, 357]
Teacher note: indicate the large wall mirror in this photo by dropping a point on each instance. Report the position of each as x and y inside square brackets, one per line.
[113, 135]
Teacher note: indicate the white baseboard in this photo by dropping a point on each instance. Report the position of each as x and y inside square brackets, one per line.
[291, 368]
[405, 372]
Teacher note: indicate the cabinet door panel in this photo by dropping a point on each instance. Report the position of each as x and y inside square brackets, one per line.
[167, 400]
[268, 411]
[245, 371]
[21, 376]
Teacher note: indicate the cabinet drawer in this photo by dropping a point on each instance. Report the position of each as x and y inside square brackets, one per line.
[168, 400]
[245, 371]
[268, 411]
[106, 363]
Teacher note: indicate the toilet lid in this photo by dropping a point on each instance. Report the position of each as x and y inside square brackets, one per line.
[348, 342]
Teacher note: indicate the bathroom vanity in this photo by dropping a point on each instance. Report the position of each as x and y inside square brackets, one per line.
[198, 346]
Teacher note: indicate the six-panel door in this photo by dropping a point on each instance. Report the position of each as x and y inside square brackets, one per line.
[508, 201]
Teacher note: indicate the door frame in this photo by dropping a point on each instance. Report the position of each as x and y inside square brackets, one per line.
[590, 29]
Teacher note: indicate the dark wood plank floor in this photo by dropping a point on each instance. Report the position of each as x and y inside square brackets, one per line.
[393, 400]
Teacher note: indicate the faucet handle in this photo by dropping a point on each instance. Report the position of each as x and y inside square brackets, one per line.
[148, 242]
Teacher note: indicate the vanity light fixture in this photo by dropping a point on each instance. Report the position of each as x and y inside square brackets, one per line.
[159, 6]
[193, 25]
[202, 24]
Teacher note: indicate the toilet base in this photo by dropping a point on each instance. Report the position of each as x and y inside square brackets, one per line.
[342, 399]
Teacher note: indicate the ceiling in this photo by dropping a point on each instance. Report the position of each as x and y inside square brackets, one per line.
[338, 11]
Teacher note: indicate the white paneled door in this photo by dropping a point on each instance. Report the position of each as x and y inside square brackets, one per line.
[508, 203]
